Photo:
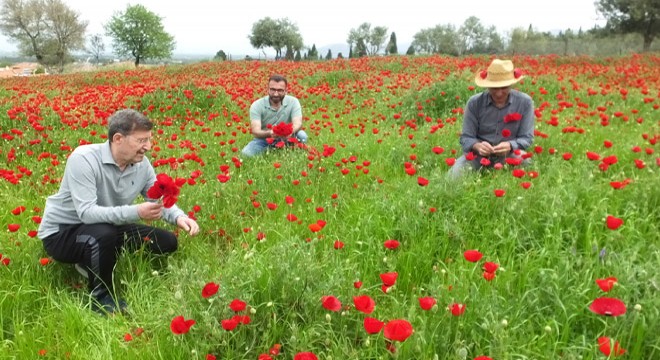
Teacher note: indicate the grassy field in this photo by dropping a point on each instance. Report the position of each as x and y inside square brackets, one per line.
[587, 209]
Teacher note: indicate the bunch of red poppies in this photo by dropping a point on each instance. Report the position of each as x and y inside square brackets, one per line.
[282, 130]
[166, 188]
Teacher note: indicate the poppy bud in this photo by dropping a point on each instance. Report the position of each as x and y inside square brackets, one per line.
[483, 74]
[517, 73]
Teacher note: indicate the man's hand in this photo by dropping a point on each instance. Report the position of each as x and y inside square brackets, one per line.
[483, 148]
[188, 225]
[150, 211]
[502, 148]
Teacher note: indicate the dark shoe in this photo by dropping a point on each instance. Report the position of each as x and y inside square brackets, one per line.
[81, 270]
[108, 305]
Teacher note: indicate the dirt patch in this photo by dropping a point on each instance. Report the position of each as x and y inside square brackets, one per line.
[20, 69]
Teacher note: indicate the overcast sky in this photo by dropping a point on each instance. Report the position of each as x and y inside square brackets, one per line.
[206, 26]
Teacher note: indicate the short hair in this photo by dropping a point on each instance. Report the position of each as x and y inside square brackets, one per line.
[278, 78]
[127, 121]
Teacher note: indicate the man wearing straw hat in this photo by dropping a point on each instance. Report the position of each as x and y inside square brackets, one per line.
[498, 124]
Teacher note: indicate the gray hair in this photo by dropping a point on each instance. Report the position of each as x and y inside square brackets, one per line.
[127, 121]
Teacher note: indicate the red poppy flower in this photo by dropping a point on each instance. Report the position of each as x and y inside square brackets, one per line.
[484, 162]
[606, 284]
[438, 150]
[338, 245]
[488, 276]
[331, 303]
[506, 133]
[210, 289]
[357, 284]
[499, 192]
[391, 244]
[526, 184]
[389, 279]
[512, 117]
[18, 210]
[372, 326]
[605, 346]
[608, 306]
[483, 358]
[13, 227]
[291, 217]
[44, 261]
[397, 330]
[610, 160]
[166, 188]
[490, 267]
[128, 337]
[265, 357]
[411, 171]
[364, 303]
[422, 181]
[315, 227]
[427, 303]
[567, 156]
[613, 223]
[305, 356]
[593, 156]
[282, 129]
[518, 173]
[470, 156]
[472, 255]
[457, 309]
[229, 324]
[450, 161]
[180, 326]
[237, 305]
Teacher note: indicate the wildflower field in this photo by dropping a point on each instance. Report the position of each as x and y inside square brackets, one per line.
[360, 246]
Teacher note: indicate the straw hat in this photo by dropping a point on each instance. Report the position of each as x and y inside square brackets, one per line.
[500, 73]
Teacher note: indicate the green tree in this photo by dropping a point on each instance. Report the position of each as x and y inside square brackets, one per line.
[391, 46]
[411, 50]
[328, 56]
[220, 55]
[371, 39]
[297, 57]
[46, 29]
[441, 39]
[139, 33]
[96, 47]
[313, 53]
[495, 44]
[360, 49]
[278, 34]
[472, 36]
[632, 16]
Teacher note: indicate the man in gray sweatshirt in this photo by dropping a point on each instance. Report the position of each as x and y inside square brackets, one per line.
[93, 215]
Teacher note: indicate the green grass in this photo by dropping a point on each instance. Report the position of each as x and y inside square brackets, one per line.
[550, 240]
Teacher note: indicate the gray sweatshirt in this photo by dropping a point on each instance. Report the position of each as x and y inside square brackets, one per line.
[94, 190]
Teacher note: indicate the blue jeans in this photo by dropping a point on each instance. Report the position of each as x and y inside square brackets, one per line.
[257, 146]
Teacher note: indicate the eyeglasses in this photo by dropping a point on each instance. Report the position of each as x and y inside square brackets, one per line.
[277, 91]
[141, 141]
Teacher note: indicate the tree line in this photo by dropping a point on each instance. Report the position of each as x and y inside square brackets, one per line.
[50, 31]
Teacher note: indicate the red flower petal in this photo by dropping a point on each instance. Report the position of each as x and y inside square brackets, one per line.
[373, 326]
[364, 303]
[608, 306]
[398, 330]
[613, 223]
[331, 303]
[472, 255]
[606, 284]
